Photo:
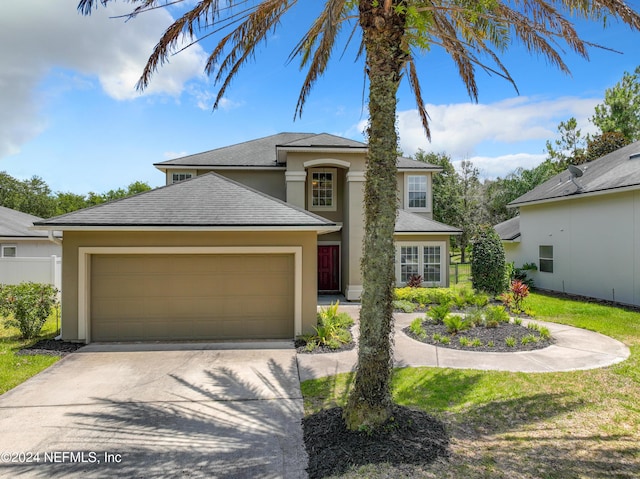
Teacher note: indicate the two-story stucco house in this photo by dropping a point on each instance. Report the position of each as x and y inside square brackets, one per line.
[582, 230]
[238, 243]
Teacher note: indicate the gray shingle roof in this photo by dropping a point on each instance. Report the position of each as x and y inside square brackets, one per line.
[16, 224]
[407, 222]
[508, 230]
[619, 169]
[262, 152]
[205, 201]
[323, 140]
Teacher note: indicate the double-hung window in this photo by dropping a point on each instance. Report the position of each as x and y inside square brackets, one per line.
[417, 193]
[546, 259]
[322, 191]
[424, 259]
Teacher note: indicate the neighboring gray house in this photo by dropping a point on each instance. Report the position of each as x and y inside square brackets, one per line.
[27, 254]
[582, 230]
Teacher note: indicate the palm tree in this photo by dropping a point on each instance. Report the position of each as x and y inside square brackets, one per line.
[393, 34]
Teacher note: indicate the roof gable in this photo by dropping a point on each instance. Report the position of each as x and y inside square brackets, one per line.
[619, 169]
[209, 200]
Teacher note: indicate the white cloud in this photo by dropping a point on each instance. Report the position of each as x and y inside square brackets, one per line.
[38, 35]
[500, 166]
[459, 129]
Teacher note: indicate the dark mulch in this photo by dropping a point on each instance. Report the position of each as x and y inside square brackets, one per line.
[497, 335]
[300, 345]
[50, 347]
[411, 436]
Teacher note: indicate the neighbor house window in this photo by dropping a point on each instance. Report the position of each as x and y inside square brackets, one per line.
[9, 251]
[417, 196]
[176, 177]
[424, 259]
[322, 192]
[546, 259]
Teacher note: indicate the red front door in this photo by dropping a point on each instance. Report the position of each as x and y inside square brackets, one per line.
[328, 268]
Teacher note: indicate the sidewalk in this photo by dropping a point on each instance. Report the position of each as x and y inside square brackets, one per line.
[574, 349]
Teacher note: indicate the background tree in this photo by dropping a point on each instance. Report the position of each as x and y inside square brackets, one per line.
[393, 33]
[570, 147]
[503, 191]
[604, 143]
[31, 196]
[447, 188]
[620, 111]
[472, 210]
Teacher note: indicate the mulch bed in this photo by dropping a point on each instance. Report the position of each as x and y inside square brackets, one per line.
[300, 345]
[410, 437]
[485, 335]
[50, 347]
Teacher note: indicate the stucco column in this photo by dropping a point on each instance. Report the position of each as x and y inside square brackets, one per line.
[295, 187]
[354, 225]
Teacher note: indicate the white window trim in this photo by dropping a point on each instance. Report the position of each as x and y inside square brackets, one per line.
[179, 172]
[334, 189]
[546, 258]
[84, 273]
[6, 246]
[426, 209]
[421, 245]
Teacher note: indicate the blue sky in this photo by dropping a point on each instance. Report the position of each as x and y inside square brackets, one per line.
[70, 114]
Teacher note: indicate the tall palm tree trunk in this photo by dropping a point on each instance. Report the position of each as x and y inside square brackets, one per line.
[370, 401]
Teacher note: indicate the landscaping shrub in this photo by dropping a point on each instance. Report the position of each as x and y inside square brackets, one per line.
[456, 324]
[415, 281]
[439, 312]
[516, 295]
[488, 262]
[416, 328]
[496, 313]
[404, 305]
[27, 306]
[332, 330]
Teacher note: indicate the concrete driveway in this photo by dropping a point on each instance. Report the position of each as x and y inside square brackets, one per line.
[181, 410]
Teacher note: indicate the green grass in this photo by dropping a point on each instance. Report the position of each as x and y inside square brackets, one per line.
[15, 369]
[578, 424]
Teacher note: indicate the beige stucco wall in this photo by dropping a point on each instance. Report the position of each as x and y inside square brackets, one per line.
[269, 182]
[76, 239]
[402, 204]
[596, 245]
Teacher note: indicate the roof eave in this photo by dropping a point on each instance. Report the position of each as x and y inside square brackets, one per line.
[574, 196]
[328, 228]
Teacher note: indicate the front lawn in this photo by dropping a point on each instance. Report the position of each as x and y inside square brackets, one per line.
[16, 368]
[581, 424]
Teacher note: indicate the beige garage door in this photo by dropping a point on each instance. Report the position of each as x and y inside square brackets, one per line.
[191, 297]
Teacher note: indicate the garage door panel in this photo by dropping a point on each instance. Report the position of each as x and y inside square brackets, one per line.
[183, 297]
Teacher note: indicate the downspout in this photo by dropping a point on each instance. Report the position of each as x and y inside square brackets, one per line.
[57, 241]
[53, 239]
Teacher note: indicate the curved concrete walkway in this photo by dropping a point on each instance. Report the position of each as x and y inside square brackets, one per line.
[574, 349]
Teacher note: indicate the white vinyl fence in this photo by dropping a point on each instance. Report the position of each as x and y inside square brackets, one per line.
[46, 270]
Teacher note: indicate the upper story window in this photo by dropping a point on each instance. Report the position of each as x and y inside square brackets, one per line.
[322, 190]
[178, 176]
[9, 251]
[417, 195]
